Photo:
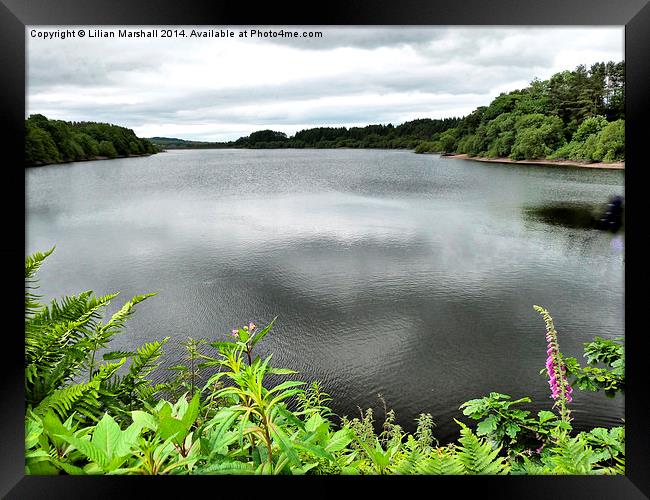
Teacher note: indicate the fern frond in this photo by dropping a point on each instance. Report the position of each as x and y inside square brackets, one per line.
[83, 398]
[530, 467]
[118, 319]
[41, 380]
[573, 456]
[440, 462]
[34, 261]
[51, 330]
[477, 456]
[32, 265]
[146, 357]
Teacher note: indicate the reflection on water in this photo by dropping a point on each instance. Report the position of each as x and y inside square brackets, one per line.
[609, 216]
[391, 272]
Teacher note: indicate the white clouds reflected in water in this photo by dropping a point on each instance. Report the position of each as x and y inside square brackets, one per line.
[224, 88]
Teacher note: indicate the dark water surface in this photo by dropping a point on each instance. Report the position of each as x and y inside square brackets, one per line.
[408, 275]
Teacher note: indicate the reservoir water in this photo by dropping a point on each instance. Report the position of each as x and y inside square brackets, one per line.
[411, 276]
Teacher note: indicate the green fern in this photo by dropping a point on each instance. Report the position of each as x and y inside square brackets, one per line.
[531, 468]
[82, 398]
[477, 456]
[123, 393]
[573, 456]
[441, 461]
[61, 342]
[32, 265]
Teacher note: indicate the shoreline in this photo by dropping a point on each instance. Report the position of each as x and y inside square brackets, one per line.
[560, 163]
[94, 158]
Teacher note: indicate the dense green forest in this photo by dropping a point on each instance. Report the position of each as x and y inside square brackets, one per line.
[574, 115]
[405, 136]
[90, 410]
[56, 141]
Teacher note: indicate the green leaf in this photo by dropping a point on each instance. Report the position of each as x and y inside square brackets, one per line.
[291, 418]
[88, 449]
[262, 333]
[33, 430]
[280, 371]
[192, 411]
[339, 440]
[219, 436]
[545, 415]
[285, 444]
[127, 440]
[488, 425]
[110, 356]
[512, 429]
[144, 420]
[228, 467]
[222, 345]
[169, 427]
[315, 450]
[106, 435]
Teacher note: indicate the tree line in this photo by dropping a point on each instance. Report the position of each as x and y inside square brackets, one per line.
[574, 115]
[55, 141]
[405, 136]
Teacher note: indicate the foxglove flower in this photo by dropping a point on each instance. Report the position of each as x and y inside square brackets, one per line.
[557, 380]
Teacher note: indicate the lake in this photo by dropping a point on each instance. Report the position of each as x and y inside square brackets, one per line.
[410, 276]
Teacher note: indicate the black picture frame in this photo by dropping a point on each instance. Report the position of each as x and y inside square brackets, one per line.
[633, 14]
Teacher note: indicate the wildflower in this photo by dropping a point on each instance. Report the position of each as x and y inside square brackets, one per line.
[557, 380]
[235, 333]
[251, 326]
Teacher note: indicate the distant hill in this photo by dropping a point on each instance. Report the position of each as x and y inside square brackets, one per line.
[174, 143]
[405, 136]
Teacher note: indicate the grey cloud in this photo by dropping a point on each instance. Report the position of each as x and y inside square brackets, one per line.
[357, 37]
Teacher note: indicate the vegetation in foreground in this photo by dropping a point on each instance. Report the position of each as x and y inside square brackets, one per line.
[56, 141]
[86, 415]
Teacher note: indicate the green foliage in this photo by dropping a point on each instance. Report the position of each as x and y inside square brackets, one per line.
[408, 135]
[55, 141]
[106, 148]
[448, 140]
[61, 345]
[537, 136]
[572, 456]
[187, 376]
[610, 377]
[576, 115]
[478, 457]
[116, 421]
[596, 140]
[428, 147]
[504, 425]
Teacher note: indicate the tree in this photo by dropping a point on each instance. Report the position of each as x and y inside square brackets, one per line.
[107, 149]
[537, 137]
[39, 147]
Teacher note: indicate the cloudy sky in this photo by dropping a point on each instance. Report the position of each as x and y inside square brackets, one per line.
[219, 89]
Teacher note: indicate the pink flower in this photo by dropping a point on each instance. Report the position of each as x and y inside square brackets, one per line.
[235, 333]
[251, 326]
